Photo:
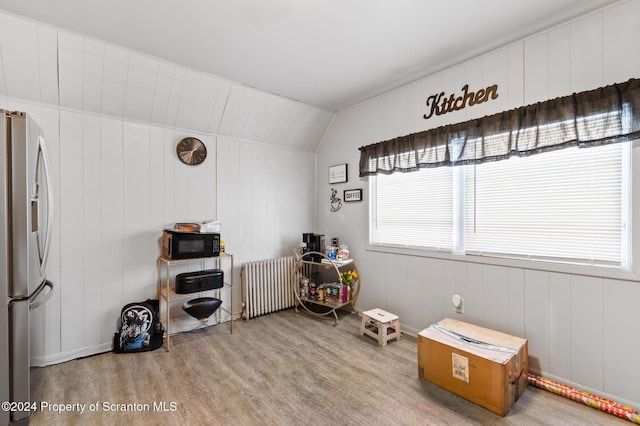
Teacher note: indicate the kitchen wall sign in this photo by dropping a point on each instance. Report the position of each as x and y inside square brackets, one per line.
[440, 104]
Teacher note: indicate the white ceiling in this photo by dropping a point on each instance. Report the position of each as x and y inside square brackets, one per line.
[326, 53]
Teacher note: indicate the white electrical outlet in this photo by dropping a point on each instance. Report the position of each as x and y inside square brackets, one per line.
[458, 304]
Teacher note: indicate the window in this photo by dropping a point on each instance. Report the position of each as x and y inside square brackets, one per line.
[413, 209]
[569, 205]
[549, 181]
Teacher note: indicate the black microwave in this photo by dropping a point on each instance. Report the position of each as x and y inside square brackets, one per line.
[189, 245]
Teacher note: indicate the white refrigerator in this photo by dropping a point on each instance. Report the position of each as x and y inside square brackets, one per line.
[26, 219]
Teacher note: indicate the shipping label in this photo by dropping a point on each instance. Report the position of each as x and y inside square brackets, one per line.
[460, 365]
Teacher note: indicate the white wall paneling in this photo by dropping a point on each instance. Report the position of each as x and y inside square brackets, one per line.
[157, 196]
[234, 108]
[496, 65]
[620, 338]
[20, 58]
[48, 64]
[162, 92]
[141, 85]
[586, 53]
[558, 61]
[3, 86]
[411, 298]
[42, 64]
[113, 117]
[620, 25]
[120, 183]
[536, 69]
[72, 70]
[114, 82]
[495, 292]
[517, 300]
[111, 223]
[560, 326]
[206, 110]
[188, 96]
[580, 328]
[373, 275]
[89, 230]
[514, 84]
[396, 116]
[138, 237]
[168, 181]
[587, 331]
[436, 290]
[265, 200]
[93, 75]
[397, 282]
[72, 248]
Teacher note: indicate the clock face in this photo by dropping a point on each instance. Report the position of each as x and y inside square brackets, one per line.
[191, 151]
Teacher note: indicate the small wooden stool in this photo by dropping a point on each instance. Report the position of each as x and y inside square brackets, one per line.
[381, 321]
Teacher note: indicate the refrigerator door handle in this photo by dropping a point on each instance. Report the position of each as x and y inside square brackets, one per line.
[34, 302]
[49, 216]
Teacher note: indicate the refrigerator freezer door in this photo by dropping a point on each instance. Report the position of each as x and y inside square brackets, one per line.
[19, 347]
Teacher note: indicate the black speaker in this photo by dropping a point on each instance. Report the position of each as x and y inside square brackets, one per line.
[193, 282]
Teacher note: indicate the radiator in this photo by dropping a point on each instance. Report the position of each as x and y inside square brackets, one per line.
[266, 286]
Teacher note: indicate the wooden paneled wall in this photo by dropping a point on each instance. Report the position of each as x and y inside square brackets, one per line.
[118, 184]
[42, 64]
[112, 118]
[581, 328]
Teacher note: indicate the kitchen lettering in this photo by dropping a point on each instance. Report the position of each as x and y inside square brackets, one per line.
[442, 105]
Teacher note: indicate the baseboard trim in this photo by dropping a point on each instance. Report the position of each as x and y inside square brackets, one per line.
[43, 361]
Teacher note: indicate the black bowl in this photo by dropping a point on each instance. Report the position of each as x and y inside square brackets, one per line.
[202, 307]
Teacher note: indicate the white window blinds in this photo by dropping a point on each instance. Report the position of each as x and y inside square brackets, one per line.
[413, 209]
[565, 205]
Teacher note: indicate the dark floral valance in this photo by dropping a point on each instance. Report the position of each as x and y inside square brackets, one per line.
[609, 114]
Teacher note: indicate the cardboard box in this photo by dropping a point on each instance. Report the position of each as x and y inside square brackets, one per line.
[484, 366]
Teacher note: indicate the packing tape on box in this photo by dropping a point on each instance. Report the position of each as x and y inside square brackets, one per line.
[483, 345]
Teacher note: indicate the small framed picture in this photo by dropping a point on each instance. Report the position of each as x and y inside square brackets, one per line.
[352, 195]
[338, 174]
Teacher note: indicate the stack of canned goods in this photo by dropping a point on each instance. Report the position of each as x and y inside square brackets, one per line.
[304, 287]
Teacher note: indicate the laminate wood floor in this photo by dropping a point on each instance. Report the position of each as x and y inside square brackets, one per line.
[285, 368]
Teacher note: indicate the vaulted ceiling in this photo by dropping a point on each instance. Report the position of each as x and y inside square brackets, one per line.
[271, 71]
[326, 53]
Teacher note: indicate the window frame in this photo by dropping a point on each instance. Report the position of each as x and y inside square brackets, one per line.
[632, 273]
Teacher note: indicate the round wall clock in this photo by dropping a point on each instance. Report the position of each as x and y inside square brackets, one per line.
[191, 151]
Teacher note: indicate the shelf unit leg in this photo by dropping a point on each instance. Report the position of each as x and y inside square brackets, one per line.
[166, 311]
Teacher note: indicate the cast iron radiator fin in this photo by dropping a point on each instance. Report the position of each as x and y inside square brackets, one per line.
[266, 286]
